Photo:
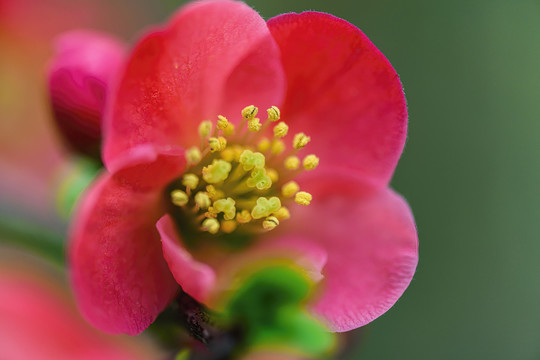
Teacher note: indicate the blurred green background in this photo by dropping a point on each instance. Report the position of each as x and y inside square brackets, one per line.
[470, 169]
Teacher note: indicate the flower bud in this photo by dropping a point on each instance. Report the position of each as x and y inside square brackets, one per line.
[79, 77]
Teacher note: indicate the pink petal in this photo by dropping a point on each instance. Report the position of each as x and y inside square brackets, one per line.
[372, 245]
[195, 278]
[40, 322]
[79, 76]
[146, 167]
[267, 250]
[343, 93]
[213, 57]
[120, 278]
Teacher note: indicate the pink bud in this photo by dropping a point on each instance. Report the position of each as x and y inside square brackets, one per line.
[80, 75]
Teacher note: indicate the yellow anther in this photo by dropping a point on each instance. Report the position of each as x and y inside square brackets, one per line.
[259, 179]
[205, 129]
[303, 198]
[249, 112]
[213, 193]
[283, 213]
[274, 176]
[243, 217]
[310, 162]
[190, 181]
[203, 200]
[226, 206]
[289, 189]
[222, 122]
[281, 129]
[216, 172]
[217, 144]
[254, 124]
[292, 162]
[263, 145]
[193, 155]
[265, 207]
[211, 225]
[229, 130]
[228, 226]
[179, 198]
[300, 140]
[238, 150]
[270, 223]
[250, 160]
[273, 113]
[211, 213]
[278, 146]
[228, 154]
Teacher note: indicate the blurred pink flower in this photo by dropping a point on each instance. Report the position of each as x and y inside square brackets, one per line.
[215, 57]
[38, 320]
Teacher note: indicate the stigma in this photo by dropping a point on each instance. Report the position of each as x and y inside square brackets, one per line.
[240, 180]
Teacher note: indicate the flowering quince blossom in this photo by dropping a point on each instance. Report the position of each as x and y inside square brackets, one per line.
[185, 201]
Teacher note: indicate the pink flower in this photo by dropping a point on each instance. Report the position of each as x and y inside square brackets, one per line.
[38, 320]
[79, 76]
[135, 237]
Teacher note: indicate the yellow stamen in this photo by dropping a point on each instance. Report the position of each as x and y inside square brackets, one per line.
[211, 225]
[243, 217]
[278, 146]
[228, 154]
[222, 122]
[273, 113]
[310, 162]
[270, 223]
[249, 112]
[232, 166]
[229, 130]
[203, 200]
[205, 129]
[259, 179]
[254, 124]
[217, 144]
[179, 198]
[273, 174]
[283, 213]
[265, 207]
[289, 189]
[238, 150]
[217, 171]
[281, 129]
[213, 193]
[190, 181]
[300, 140]
[226, 206]
[228, 226]
[303, 198]
[292, 162]
[211, 213]
[263, 145]
[250, 160]
[193, 155]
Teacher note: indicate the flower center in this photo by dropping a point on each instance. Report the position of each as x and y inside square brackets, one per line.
[237, 180]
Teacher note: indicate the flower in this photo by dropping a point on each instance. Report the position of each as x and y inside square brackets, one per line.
[141, 230]
[40, 321]
[79, 77]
